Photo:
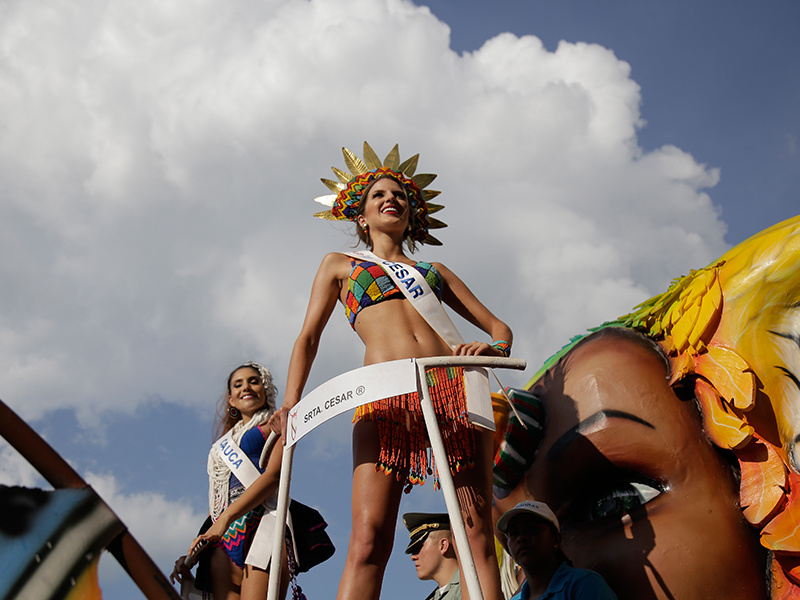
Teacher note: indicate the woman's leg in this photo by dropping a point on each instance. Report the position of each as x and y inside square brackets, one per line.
[376, 500]
[226, 577]
[255, 581]
[474, 489]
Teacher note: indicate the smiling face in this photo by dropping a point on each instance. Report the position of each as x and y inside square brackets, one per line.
[642, 496]
[246, 392]
[385, 205]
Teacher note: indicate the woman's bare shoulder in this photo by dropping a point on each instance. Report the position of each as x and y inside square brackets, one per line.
[335, 264]
[443, 270]
[336, 258]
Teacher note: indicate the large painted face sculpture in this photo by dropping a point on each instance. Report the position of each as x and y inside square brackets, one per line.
[642, 495]
[669, 439]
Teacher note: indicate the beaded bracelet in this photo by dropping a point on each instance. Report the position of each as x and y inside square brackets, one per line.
[503, 346]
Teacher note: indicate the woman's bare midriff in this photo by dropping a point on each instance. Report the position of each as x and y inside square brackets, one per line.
[393, 330]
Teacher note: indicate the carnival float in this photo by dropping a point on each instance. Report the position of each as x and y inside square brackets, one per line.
[667, 441]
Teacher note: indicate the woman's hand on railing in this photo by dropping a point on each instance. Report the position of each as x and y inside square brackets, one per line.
[476, 349]
[277, 422]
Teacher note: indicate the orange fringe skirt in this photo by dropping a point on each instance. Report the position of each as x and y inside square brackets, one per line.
[405, 449]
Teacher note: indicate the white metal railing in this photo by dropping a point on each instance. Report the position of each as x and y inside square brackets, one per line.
[468, 571]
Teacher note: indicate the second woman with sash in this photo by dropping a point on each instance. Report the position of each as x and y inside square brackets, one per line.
[242, 495]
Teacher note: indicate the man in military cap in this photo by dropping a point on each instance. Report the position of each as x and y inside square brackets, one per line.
[433, 552]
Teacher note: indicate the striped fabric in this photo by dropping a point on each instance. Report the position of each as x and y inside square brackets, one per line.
[235, 542]
[519, 445]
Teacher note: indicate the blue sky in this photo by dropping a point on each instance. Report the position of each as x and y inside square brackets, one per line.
[159, 165]
[718, 80]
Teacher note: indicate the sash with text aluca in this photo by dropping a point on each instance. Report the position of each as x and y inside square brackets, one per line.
[246, 472]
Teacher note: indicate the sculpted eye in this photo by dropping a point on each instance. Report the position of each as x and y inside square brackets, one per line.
[613, 499]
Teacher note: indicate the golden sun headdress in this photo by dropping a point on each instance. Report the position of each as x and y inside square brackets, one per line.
[345, 200]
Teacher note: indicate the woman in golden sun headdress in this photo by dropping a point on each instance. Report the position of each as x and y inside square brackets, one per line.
[390, 207]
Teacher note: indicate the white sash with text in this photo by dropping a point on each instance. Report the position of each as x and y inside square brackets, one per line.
[260, 550]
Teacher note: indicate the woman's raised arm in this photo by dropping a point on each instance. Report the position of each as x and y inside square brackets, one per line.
[460, 298]
[324, 294]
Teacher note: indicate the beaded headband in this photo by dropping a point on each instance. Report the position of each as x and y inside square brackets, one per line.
[345, 200]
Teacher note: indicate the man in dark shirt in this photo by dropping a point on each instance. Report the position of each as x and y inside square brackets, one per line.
[533, 538]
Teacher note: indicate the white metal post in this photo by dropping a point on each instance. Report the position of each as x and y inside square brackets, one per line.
[469, 573]
[280, 524]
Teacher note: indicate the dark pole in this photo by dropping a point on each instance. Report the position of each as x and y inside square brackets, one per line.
[141, 568]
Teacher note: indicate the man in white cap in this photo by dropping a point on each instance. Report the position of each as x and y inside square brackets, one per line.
[533, 538]
[432, 550]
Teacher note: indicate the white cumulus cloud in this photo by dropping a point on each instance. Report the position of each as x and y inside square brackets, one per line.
[158, 163]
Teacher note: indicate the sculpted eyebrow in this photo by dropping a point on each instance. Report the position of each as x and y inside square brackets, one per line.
[793, 337]
[577, 431]
[789, 336]
[790, 375]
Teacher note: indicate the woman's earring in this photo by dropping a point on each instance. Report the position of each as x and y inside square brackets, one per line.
[234, 412]
[365, 227]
